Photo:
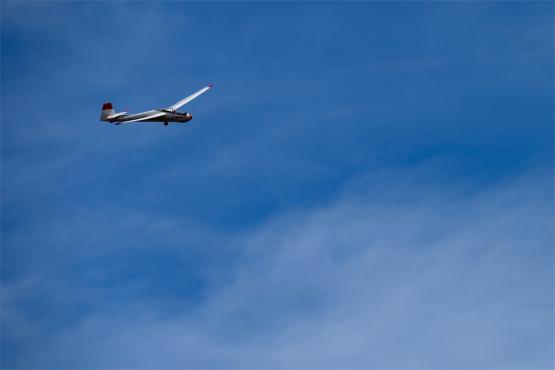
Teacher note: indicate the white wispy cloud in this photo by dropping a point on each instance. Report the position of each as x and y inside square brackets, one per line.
[417, 276]
[399, 268]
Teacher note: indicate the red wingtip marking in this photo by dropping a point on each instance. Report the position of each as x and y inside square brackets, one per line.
[210, 85]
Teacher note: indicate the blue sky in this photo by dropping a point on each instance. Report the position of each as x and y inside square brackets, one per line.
[368, 185]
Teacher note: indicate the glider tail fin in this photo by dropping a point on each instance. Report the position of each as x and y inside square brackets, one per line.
[107, 110]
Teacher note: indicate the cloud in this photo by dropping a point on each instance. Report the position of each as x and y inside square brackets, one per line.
[399, 271]
[288, 226]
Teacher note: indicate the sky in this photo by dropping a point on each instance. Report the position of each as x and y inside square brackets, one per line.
[368, 185]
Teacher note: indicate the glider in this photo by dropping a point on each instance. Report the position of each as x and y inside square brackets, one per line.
[165, 115]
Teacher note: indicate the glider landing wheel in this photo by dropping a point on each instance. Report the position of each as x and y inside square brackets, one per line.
[165, 123]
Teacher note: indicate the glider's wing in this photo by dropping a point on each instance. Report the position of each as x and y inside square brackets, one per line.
[182, 102]
[150, 116]
[114, 116]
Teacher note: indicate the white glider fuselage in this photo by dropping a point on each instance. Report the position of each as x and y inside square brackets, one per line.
[179, 117]
[165, 115]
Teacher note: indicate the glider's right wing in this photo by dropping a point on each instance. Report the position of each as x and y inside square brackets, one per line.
[182, 102]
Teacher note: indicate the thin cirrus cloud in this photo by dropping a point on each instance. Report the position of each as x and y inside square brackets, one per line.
[449, 279]
[367, 186]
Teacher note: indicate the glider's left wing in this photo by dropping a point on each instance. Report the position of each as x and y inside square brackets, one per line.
[114, 116]
[151, 116]
[182, 102]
